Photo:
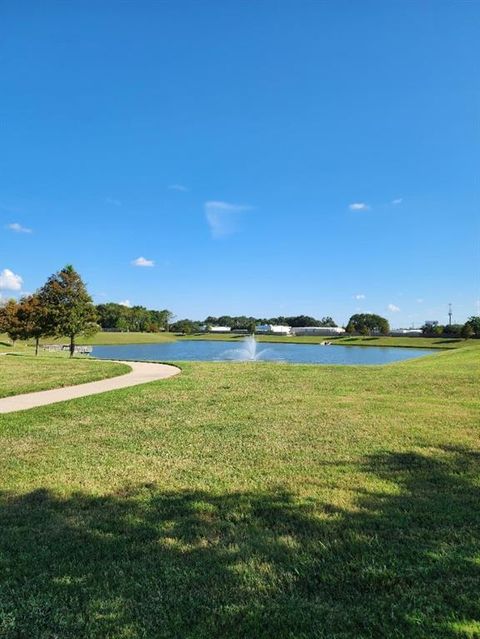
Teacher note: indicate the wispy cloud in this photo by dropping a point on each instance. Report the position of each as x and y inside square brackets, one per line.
[126, 303]
[178, 187]
[419, 300]
[392, 308]
[223, 218]
[113, 201]
[359, 296]
[18, 228]
[142, 261]
[358, 206]
[397, 200]
[10, 281]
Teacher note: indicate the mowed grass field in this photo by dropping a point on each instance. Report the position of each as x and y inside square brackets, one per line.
[25, 374]
[248, 500]
[103, 338]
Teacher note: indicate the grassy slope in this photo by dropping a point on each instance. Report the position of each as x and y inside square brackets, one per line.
[105, 338]
[409, 342]
[249, 500]
[99, 338]
[24, 374]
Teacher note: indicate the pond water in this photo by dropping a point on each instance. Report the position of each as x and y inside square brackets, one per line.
[249, 350]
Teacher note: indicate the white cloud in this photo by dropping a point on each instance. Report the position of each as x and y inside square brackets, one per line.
[18, 228]
[178, 187]
[9, 281]
[359, 296]
[113, 201]
[125, 303]
[223, 218]
[358, 206]
[392, 308]
[142, 261]
[419, 300]
[397, 200]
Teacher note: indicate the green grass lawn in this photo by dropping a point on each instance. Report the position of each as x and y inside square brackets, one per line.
[408, 342]
[25, 373]
[106, 338]
[248, 500]
[100, 338]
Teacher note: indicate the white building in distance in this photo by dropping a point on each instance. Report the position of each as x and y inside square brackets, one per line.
[273, 329]
[318, 330]
[406, 332]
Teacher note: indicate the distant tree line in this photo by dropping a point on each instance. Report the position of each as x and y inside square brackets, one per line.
[369, 323]
[113, 316]
[246, 323]
[471, 328]
[242, 321]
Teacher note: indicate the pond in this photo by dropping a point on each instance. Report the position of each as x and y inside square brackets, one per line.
[249, 350]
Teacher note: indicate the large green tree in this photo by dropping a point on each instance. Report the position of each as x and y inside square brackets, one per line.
[185, 326]
[368, 323]
[9, 321]
[433, 330]
[68, 305]
[467, 331]
[33, 319]
[474, 322]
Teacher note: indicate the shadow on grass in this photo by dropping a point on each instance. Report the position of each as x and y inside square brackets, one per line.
[150, 564]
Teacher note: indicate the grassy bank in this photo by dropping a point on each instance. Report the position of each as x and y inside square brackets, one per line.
[106, 338]
[406, 342]
[248, 500]
[25, 374]
[100, 338]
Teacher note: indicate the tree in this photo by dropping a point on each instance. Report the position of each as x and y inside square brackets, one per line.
[251, 326]
[69, 307]
[33, 319]
[137, 318]
[301, 320]
[327, 321]
[169, 317]
[474, 322]
[121, 324]
[432, 330]
[185, 326]
[467, 330]
[350, 328]
[9, 321]
[367, 323]
[453, 330]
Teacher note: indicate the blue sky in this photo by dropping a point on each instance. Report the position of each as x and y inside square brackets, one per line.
[259, 157]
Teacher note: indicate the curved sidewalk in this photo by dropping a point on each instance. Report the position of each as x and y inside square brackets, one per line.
[141, 373]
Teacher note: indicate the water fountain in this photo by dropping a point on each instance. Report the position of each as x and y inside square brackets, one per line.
[248, 352]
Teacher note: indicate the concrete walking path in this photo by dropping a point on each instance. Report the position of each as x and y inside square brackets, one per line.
[141, 373]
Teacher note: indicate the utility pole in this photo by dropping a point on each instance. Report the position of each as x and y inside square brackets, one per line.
[450, 314]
